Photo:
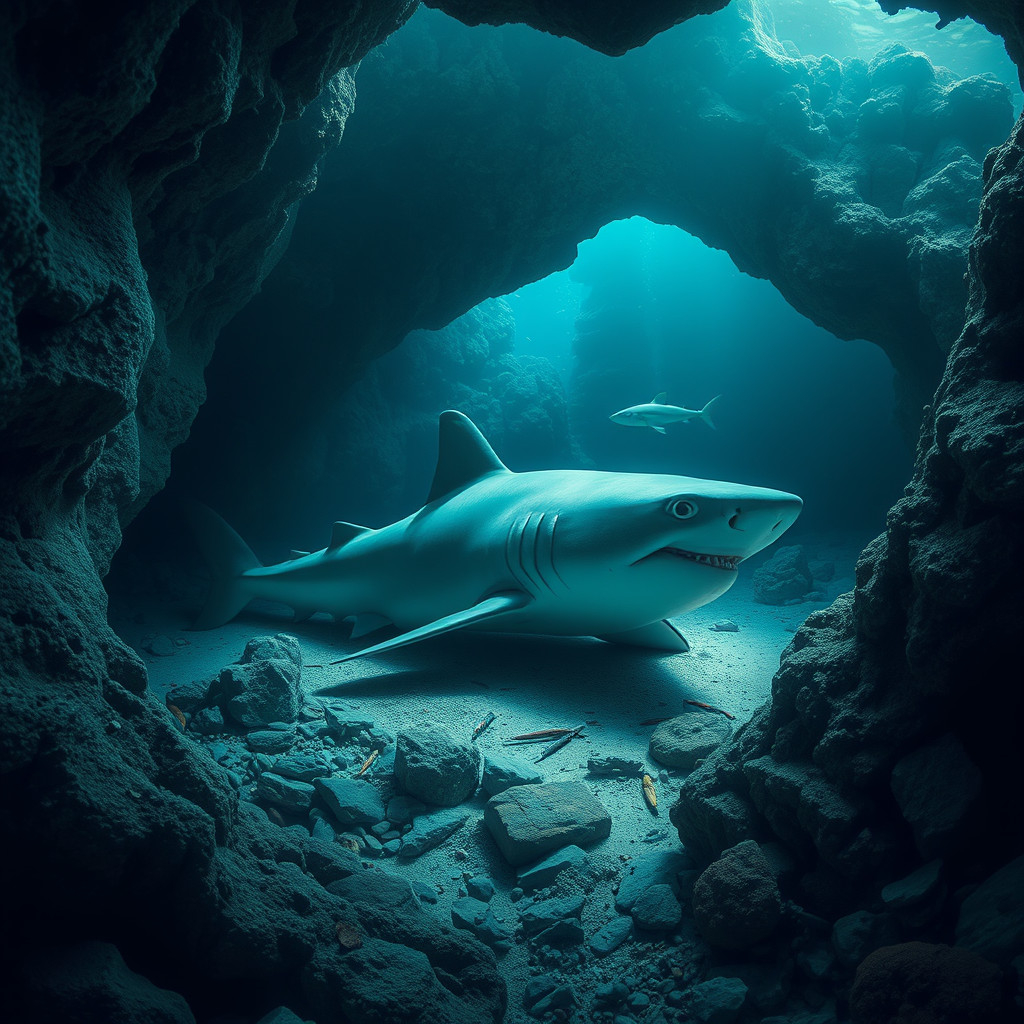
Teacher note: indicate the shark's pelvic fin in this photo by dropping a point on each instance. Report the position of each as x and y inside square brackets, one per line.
[659, 398]
[660, 636]
[660, 430]
[463, 455]
[293, 554]
[301, 614]
[228, 557]
[342, 533]
[489, 607]
[368, 622]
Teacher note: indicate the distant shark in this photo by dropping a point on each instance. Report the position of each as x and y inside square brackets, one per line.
[655, 414]
[556, 552]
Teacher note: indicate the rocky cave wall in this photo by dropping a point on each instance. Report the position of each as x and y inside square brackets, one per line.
[477, 160]
[141, 197]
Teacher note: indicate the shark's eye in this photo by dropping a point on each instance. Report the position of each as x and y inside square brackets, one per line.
[682, 508]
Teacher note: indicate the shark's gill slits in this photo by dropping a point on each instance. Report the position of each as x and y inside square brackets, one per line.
[530, 550]
[552, 524]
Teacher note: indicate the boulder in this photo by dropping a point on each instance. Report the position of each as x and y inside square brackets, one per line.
[785, 577]
[718, 1000]
[263, 687]
[936, 786]
[736, 900]
[351, 801]
[918, 981]
[991, 920]
[529, 821]
[682, 741]
[89, 983]
[434, 766]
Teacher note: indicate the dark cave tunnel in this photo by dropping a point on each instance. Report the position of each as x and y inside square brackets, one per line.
[148, 221]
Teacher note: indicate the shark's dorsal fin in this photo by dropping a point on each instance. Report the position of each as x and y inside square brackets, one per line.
[659, 398]
[342, 533]
[463, 455]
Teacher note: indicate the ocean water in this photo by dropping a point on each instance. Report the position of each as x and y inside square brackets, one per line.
[644, 308]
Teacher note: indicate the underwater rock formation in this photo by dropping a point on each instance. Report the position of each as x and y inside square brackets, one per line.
[150, 156]
[478, 159]
[600, 24]
[914, 660]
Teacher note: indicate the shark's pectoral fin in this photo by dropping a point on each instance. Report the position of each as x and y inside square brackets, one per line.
[488, 608]
[660, 636]
[368, 622]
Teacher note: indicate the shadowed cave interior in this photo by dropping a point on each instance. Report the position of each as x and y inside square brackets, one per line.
[248, 257]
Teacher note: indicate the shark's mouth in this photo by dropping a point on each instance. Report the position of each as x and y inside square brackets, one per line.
[727, 562]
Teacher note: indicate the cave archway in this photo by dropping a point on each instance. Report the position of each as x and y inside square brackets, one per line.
[478, 159]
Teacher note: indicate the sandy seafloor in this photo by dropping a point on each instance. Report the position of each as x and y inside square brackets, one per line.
[529, 683]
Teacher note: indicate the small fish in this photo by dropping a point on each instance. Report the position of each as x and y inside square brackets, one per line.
[560, 742]
[656, 413]
[709, 707]
[490, 717]
[367, 763]
[653, 721]
[649, 795]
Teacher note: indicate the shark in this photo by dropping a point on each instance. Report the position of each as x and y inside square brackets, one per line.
[554, 552]
[656, 413]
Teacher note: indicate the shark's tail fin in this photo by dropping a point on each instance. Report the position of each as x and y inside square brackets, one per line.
[705, 413]
[228, 556]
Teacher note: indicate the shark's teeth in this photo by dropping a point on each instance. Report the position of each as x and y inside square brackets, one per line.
[715, 561]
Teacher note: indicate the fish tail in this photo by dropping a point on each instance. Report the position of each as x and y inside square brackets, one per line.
[228, 557]
[705, 413]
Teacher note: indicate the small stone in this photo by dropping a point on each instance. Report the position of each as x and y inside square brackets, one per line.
[208, 722]
[682, 741]
[402, 809]
[544, 872]
[538, 987]
[161, 646]
[501, 772]
[269, 741]
[302, 767]
[718, 1000]
[286, 794]
[544, 913]
[607, 939]
[480, 887]
[725, 626]
[476, 917]
[657, 909]
[426, 893]
[615, 767]
[430, 830]
[351, 801]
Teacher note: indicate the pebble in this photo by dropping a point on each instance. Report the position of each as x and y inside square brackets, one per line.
[161, 646]
[607, 939]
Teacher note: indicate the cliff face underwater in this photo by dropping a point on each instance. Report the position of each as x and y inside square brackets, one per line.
[155, 157]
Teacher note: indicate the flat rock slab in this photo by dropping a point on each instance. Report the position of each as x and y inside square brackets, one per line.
[529, 821]
[682, 741]
[430, 830]
[351, 801]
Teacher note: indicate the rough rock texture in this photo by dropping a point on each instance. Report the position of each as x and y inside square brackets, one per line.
[736, 900]
[433, 766]
[263, 687]
[916, 982]
[913, 661]
[536, 143]
[784, 578]
[150, 153]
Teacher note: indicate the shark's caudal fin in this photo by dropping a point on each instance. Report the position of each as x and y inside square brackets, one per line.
[228, 556]
[463, 455]
[705, 413]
